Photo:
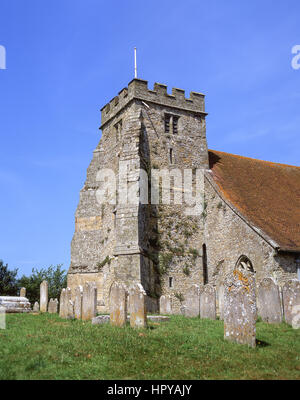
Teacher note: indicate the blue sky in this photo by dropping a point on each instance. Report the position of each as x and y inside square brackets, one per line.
[66, 59]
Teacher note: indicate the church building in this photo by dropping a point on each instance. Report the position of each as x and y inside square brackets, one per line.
[250, 210]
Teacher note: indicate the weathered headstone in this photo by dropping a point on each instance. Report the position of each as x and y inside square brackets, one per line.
[191, 303]
[208, 302]
[291, 301]
[14, 304]
[53, 306]
[89, 301]
[36, 307]
[221, 301]
[138, 313]
[78, 302]
[118, 304]
[165, 305]
[296, 317]
[43, 296]
[23, 292]
[268, 301]
[63, 311]
[70, 309]
[240, 308]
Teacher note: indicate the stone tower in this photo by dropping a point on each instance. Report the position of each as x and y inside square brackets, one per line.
[157, 245]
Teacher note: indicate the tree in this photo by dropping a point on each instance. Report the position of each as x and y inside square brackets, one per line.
[54, 275]
[8, 280]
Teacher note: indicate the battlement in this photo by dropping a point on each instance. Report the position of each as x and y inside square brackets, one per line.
[138, 89]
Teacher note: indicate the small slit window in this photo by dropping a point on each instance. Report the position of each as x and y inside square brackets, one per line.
[171, 158]
[118, 129]
[171, 282]
[167, 123]
[175, 125]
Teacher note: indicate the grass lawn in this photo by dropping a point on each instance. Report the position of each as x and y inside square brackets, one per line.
[43, 346]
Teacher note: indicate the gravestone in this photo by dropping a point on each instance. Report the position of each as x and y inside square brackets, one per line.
[118, 304]
[221, 301]
[23, 292]
[36, 307]
[191, 303]
[240, 308]
[208, 302]
[138, 313]
[70, 309]
[53, 306]
[165, 305]
[78, 302]
[43, 296]
[63, 312]
[14, 304]
[296, 317]
[291, 301]
[268, 302]
[89, 301]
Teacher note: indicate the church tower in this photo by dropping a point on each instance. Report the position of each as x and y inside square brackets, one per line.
[157, 245]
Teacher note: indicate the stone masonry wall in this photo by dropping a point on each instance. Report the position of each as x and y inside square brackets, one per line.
[228, 237]
[127, 243]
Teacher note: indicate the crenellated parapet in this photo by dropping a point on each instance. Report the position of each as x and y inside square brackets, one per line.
[138, 89]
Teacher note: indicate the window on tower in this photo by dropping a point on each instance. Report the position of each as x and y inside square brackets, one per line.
[171, 123]
[167, 123]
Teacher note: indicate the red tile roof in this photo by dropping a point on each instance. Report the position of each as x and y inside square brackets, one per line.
[267, 194]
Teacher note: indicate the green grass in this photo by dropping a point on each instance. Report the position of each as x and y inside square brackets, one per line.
[47, 347]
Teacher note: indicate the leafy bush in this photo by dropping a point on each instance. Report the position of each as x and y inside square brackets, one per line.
[8, 281]
[54, 275]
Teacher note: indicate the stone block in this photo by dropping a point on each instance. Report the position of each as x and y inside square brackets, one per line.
[78, 302]
[43, 296]
[240, 308]
[291, 301]
[118, 304]
[191, 303]
[268, 302]
[53, 306]
[138, 313]
[208, 302]
[89, 301]
[165, 305]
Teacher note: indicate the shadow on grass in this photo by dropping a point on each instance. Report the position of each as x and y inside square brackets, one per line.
[261, 343]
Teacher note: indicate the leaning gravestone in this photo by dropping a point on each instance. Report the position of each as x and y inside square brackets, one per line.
[208, 302]
[23, 292]
[53, 306]
[36, 307]
[138, 314]
[268, 301]
[78, 302]
[118, 304]
[43, 296]
[89, 301]
[191, 303]
[291, 302]
[240, 308]
[221, 301]
[165, 305]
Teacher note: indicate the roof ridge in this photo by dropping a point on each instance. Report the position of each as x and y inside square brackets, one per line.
[255, 159]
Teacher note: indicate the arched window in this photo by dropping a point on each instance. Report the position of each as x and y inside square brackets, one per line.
[244, 264]
[204, 265]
